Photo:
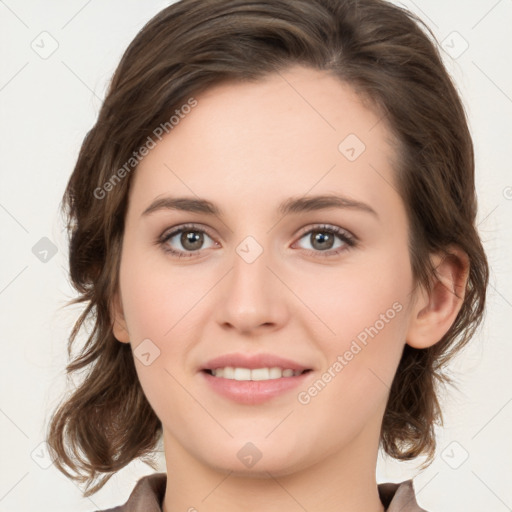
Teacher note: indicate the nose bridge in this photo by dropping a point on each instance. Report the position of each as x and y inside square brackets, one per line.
[252, 296]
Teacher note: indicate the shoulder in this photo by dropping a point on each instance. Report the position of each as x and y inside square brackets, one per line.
[399, 497]
[147, 495]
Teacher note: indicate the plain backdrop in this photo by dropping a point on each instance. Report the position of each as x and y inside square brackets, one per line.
[56, 61]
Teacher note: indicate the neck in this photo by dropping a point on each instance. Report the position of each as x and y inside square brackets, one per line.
[342, 482]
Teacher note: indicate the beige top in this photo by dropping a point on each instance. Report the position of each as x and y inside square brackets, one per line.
[148, 495]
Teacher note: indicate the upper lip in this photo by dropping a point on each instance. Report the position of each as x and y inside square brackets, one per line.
[253, 361]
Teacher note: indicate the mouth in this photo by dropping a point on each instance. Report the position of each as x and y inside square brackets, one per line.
[253, 379]
[254, 374]
[254, 386]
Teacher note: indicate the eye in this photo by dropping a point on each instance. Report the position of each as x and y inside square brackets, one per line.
[322, 240]
[190, 237]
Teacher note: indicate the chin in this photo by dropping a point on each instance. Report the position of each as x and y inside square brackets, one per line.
[252, 459]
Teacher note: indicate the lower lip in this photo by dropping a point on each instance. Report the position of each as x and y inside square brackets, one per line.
[253, 392]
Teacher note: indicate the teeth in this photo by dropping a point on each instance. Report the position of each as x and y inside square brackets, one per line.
[256, 374]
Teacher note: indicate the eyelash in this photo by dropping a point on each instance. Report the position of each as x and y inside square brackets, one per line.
[349, 240]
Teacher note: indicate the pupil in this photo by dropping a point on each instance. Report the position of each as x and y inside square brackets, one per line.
[320, 237]
[191, 240]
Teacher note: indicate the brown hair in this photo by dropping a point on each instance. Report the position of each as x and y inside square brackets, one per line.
[387, 56]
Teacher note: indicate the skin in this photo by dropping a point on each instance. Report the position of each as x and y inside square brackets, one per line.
[246, 147]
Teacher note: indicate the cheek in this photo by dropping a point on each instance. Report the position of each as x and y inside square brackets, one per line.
[157, 307]
[365, 309]
[157, 298]
[357, 296]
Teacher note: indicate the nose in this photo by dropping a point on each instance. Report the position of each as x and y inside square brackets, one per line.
[253, 297]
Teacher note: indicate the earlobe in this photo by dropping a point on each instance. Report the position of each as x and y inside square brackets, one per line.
[434, 313]
[119, 327]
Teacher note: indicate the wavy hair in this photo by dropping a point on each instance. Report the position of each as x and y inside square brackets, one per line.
[391, 59]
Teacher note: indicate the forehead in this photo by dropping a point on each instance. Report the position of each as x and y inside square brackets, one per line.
[291, 133]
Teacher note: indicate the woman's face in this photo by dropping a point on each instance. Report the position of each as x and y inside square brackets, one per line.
[275, 274]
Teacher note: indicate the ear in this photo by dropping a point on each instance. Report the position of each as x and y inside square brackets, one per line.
[433, 314]
[119, 327]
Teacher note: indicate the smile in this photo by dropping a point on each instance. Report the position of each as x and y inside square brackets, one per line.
[240, 374]
[242, 386]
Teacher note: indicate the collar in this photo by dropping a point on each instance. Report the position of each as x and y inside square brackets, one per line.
[148, 495]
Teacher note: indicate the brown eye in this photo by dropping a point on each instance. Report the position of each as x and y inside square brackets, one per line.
[191, 240]
[321, 240]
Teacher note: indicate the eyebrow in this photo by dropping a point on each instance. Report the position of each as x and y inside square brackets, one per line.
[292, 205]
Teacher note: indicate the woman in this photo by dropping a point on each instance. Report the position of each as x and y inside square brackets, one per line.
[272, 226]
